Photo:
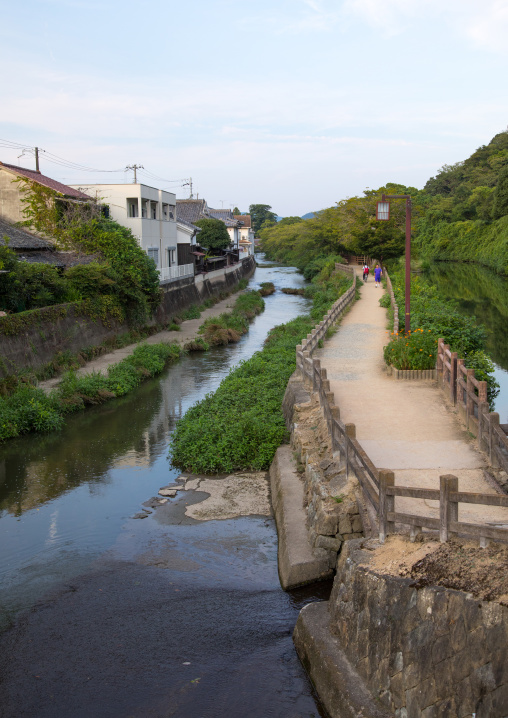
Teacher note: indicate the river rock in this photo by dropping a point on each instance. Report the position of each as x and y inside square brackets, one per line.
[154, 502]
[168, 492]
[141, 515]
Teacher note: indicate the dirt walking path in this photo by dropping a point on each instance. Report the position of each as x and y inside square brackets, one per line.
[404, 426]
[188, 331]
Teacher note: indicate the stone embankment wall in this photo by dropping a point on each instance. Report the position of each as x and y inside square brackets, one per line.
[422, 652]
[60, 328]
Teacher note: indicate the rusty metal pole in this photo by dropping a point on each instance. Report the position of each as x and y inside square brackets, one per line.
[407, 317]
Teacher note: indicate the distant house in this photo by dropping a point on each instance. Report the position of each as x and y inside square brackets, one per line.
[186, 236]
[150, 214]
[246, 241]
[192, 210]
[12, 194]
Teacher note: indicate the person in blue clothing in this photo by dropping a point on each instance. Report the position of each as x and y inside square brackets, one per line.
[377, 275]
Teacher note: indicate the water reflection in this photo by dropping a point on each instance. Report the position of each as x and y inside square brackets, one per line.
[65, 496]
[483, 294]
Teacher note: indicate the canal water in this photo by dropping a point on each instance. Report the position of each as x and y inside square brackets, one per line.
[106, 615]
[482, 293]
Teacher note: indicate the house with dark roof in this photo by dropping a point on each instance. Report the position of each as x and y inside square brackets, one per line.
[11, 190]
[31, 248]
[193, 210]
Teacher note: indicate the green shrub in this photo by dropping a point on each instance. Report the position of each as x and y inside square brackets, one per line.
[28, 409]
[484, 371]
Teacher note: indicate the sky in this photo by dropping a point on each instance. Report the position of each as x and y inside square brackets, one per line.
[292, 103]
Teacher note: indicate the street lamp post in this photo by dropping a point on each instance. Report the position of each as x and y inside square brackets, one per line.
[383, 214]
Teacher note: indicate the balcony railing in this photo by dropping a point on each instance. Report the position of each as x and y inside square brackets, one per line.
[171, 273]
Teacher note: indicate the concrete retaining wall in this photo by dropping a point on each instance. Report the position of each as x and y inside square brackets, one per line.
[61, 329]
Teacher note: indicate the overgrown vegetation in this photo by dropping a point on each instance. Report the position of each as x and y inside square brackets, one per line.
[230, 326]
[241, 425]
[29, 409]
[123, 271]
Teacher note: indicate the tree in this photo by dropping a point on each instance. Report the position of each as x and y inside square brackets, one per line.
[260, 215]
[214, 234]
[500, 207]
[236, 211]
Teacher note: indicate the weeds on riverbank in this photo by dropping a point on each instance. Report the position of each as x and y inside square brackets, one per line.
[241, 425]
[29, 409]
[230, 326]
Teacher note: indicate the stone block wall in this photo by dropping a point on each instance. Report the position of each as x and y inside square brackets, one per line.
[422, 652]
[332, 512]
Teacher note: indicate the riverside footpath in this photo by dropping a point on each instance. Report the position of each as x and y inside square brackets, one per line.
[403, 426]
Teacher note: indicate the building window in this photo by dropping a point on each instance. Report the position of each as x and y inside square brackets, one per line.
[132, 207]
[171, 256]
[165, 212]
[172, 211]
[153, 210]
[144, 208]
[153, 252]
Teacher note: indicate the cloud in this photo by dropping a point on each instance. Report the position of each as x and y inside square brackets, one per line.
[484, 24]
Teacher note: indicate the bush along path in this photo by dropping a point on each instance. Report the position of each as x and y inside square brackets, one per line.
[241, 425]
[27, 408]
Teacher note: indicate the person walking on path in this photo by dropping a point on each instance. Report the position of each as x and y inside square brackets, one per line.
[377, 275]
[365, 272]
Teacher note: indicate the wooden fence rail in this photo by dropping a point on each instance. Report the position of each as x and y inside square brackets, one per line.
[470, 397]
[378, 485]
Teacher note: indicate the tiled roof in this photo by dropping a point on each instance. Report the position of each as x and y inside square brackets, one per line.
[188, 224]
[190, 210]
[45, 181]
[19, 239]
[225, 215]
[244, 218]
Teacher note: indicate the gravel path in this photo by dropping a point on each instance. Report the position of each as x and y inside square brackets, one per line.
[403, 426]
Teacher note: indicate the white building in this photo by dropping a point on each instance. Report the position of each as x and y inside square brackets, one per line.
[246, 240]
[150, 214]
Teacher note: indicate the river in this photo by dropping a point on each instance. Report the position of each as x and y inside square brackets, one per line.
[483, 294]
[106, 615]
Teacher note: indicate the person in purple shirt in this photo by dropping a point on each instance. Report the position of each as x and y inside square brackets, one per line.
[377, 275]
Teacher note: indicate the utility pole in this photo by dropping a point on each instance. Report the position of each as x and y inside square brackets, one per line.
[188, 184]
[135, 168]
[37, 159]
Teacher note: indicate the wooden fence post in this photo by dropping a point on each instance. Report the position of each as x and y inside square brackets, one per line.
[448, 509]
[469, 401]
[350, 433]
[316, 369]
[453, 377]
[386, 504]
[483, 416]
[493, 423]
[335, 417]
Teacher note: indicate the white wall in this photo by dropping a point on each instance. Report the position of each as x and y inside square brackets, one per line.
[153, 234]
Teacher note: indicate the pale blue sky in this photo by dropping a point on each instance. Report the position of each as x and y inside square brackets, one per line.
[294, 103]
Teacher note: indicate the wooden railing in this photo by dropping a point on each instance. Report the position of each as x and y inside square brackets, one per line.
[393, 303]
[470, 397]
[306, 348]
[378, 485]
